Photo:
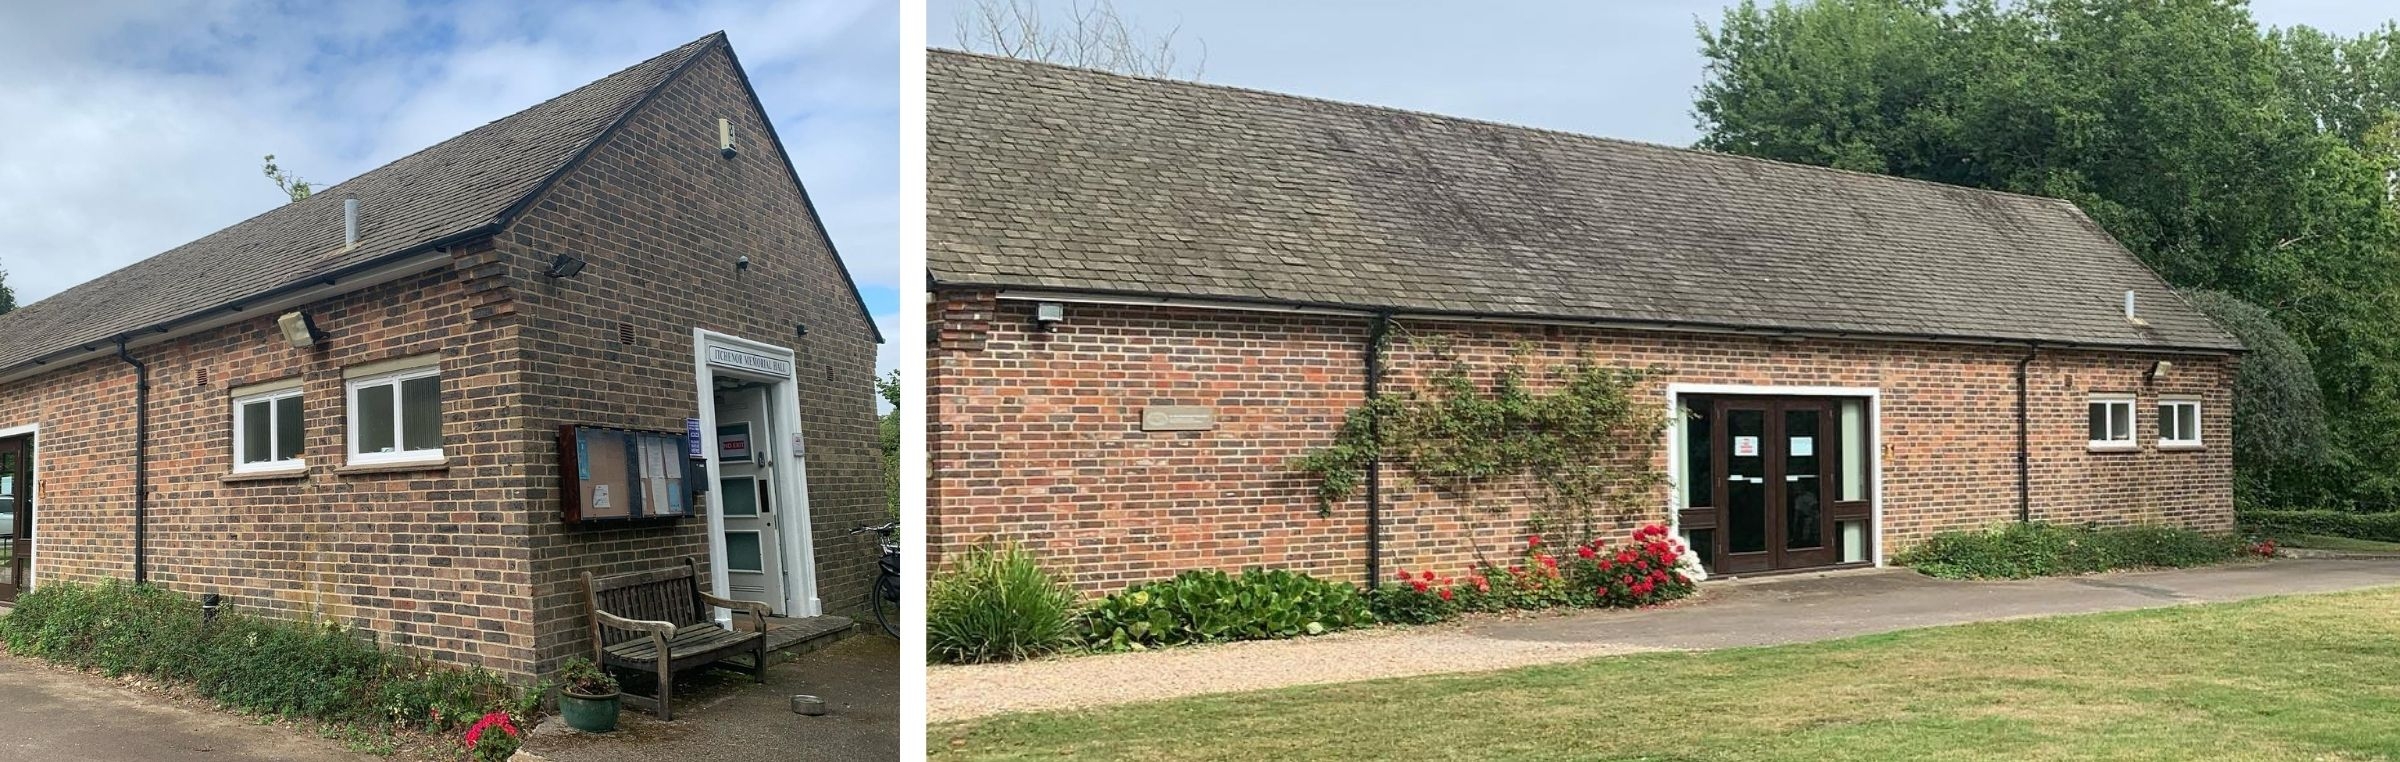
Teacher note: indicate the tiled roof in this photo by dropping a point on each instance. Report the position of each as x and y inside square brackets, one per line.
[460, 186]
[1046, 177]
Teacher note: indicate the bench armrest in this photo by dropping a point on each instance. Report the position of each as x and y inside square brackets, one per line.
[758, 611]
[661, 629]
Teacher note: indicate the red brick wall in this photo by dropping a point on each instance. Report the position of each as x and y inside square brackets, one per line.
[430, 560]
[1037, 435]
[661, 217]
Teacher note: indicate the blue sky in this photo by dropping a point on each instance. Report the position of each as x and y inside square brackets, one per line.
[135, 127]
[1616, 69]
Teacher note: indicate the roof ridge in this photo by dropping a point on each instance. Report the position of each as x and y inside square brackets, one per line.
[1466, 120]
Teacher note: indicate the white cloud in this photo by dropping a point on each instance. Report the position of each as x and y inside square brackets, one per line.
[134, 128]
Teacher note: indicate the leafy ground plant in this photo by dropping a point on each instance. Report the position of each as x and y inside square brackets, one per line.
[997, 604]
[2022, 551]
[1211, 606]
[257, 665]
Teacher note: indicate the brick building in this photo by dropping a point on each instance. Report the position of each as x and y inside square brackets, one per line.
[356, 414]
[1151, 297]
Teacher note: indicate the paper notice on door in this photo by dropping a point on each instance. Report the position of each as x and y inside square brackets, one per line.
[1803, 447]
[600, 496]
[1745, 447]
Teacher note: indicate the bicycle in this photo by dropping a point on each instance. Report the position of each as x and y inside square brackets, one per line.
[885, 596]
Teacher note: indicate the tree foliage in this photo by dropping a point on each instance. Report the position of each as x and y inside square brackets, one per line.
[288, 182]
[1092, 35]
[2279, 439]
[2256, 163]
[888, 387]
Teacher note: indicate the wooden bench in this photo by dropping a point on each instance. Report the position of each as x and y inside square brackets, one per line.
[659, 621]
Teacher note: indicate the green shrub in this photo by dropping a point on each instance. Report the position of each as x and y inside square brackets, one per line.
[2021, 551]
[2383, 527]
[997, 605]
[1210, 606]
[252, 664]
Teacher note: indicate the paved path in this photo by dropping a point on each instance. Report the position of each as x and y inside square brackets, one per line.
[61, 716]
[859, 679]
[1769, 611]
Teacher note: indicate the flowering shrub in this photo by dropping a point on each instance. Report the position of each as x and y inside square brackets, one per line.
[2263, 548]
[1650, 569]
[492, 739]
[1421, 597]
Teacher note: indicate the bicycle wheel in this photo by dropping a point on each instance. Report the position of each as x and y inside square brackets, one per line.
[886, 599]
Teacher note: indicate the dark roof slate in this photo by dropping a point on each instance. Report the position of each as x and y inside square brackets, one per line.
[466, 184]
[1047, 177]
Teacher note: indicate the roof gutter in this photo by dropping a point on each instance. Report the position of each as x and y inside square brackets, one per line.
[1139, 299]
[382, 269]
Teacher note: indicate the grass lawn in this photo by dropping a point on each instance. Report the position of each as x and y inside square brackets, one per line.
[2329, 542]
[2307, 677]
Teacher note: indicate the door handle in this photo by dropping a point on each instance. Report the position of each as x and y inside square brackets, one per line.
[1798, 477]
[1750, 479]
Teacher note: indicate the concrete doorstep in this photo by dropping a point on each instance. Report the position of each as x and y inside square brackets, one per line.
[722, 715]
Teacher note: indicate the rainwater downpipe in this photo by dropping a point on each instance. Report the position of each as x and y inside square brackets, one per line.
[1375, 335]
[2024, 450]
[141, 464]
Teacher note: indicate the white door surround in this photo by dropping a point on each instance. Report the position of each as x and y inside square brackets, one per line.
[714, 356]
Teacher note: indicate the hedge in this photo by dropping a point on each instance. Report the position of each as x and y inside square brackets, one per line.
[2384, 527]
[2021, 551]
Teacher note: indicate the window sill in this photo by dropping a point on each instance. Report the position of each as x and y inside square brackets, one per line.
[401, 467]
[2113, 448]
[266, 475]
[2181, 446]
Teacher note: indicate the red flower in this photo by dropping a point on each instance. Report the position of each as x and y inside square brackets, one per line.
[1420, 585]
[1549, 560]
[1445, 593]
[1625, 579]
[1682, 580]
[1625, 556]
[495, 719]
[1533, 541]
[1404, 575]
[1481, 584]
[1586, 552]
[1429, 575]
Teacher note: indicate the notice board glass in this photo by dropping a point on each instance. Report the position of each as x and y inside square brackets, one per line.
[626, 475]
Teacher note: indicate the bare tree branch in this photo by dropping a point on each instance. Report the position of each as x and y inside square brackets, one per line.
[1097, 37]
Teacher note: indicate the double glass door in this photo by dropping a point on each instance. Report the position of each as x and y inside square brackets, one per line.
[16, 514]
[1764, 484]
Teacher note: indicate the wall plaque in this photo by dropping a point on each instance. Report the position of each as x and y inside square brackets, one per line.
[1179, 418]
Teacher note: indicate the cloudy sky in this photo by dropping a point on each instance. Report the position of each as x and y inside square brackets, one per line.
[1618, 69]
[131, 128]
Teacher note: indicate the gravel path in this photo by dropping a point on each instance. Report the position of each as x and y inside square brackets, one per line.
[968, 692]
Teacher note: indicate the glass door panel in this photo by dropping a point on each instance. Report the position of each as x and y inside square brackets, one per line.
[1803, 490]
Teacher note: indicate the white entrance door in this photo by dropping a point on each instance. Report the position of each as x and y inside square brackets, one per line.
[745, 481]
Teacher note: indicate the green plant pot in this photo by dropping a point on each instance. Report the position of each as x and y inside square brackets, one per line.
[590, 714]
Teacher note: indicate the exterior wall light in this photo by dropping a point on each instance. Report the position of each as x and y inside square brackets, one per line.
[298, 329]
[1047, 314]
[565, 266]
[2160, 371]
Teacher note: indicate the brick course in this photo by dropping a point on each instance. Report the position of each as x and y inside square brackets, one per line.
[471, 562]
[1037, 435]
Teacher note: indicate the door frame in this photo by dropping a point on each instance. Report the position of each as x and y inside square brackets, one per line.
[33, 447]
[788, 480]
[1875, 438]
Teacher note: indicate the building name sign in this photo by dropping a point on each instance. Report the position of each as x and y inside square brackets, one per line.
[1179, 418]
[728, 357]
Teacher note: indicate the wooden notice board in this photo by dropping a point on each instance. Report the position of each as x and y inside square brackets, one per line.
[626, 475]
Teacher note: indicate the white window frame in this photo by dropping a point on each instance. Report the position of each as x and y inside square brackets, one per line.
[399, 432]
[2133, 426]
[2192, 440]
[270, 397]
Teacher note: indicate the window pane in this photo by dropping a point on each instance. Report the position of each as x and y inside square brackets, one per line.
[742, 552]
[287, 428]
[1803, 496]
[1854, 450]
[2190, 416]
[2166, 422]
[1745, 482]
[1699, 483]
[373, 416]
[2120, 421]
[2099, 425]
[741, 496]
[421, 413]
[256, 431]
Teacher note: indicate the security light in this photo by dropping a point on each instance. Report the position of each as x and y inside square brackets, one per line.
[565, 266]
[300, 331]
[1047, 314]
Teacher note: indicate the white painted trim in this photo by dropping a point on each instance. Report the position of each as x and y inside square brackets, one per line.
[789, 478]
[33, 564]
[2199, 426]
[395, 379]
[270, 396]
[2133, 422]
[1873, 395]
